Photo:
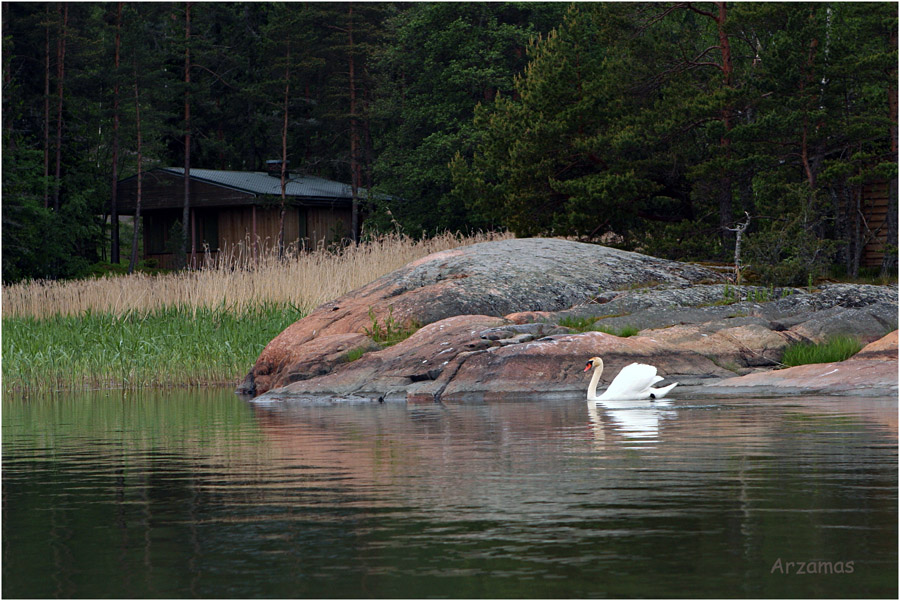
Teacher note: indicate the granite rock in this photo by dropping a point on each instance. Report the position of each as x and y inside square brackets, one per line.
[489, 278]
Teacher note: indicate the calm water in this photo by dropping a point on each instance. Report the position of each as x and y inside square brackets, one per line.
[185, 494]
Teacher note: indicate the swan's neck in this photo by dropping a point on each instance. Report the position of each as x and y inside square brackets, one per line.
[595, 379]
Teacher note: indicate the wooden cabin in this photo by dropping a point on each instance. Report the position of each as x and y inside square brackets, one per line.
[228, 208]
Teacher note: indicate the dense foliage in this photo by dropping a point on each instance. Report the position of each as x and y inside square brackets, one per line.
[664, 126]
[658, 127]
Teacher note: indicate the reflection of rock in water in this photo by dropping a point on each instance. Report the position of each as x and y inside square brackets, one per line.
[633, 419]
[463, 456]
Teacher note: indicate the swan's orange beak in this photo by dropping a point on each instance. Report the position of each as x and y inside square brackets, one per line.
[589, 365]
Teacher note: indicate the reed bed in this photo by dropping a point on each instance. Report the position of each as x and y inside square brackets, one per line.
[189, 328]
[170, 346]
[235, 279]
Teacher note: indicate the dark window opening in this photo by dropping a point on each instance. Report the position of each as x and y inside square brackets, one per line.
[158, 226]
[207, 231]
[301, 226]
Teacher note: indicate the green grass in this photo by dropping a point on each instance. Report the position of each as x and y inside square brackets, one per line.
[176, 346]
[588, 324]
[623, 332]
[579, 324]
[837, 348]
[354, 354]
[392, 331]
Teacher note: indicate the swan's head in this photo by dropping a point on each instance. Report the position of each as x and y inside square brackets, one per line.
[592, 362]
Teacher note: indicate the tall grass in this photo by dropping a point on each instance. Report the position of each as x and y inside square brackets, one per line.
[235, 279]
[180, 346]
[834, 349]
[185, 328]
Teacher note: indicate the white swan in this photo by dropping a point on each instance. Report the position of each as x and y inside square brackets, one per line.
[633, 383]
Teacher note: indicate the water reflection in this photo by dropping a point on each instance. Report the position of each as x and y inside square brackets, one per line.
[204, 495]
[634, 420]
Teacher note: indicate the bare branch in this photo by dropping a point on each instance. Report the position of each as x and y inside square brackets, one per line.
[214, 74]
[708, 64]
[659, 17]
[699, 56]
[690, 6]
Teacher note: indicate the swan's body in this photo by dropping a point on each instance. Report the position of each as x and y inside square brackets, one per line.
[633, 383]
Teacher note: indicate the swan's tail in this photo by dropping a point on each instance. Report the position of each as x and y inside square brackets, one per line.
[658, 393]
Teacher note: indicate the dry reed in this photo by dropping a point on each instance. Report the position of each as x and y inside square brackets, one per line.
[235, 280]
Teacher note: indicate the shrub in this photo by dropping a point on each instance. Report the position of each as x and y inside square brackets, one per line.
[792, 256]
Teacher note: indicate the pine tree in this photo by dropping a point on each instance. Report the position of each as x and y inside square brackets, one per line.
[553, 158]
[441, 60]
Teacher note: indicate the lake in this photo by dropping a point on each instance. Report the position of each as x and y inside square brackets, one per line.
[202, 494]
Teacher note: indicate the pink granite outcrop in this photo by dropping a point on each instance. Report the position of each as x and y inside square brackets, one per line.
[491, 315]
[489, 278]
[872, 371]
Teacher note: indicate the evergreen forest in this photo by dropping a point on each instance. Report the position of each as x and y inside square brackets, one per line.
[673, 129]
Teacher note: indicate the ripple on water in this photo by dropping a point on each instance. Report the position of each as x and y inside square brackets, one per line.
[206, 495]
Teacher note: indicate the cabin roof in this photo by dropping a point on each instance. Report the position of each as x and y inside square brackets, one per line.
[259, 182]
[162, 190]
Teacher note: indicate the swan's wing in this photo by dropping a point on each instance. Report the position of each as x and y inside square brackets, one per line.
[661, 392]
[632, 382]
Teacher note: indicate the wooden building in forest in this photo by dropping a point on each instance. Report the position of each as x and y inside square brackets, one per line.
[233, 207]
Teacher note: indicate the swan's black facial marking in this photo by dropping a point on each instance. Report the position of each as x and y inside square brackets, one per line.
[589, 365]
[652, 397]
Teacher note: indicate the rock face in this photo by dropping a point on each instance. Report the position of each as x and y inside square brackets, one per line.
[490, 278]
[490, 315]
[872, 371]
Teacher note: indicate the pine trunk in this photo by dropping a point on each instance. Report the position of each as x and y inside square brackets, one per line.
[47, 110]
[137, 203]
[114, 209]
[186, 232]
[284, 129]
[726, 212]
[60, 80]
[889, 262]
[806, 162]
[354, 133]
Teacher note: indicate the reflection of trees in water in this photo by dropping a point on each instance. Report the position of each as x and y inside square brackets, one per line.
[170, 495]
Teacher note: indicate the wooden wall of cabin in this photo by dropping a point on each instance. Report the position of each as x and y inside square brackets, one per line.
[231, 229]
[875, 208]
[158, 229]
[236, 226]
[311, 226]
[325, 225]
